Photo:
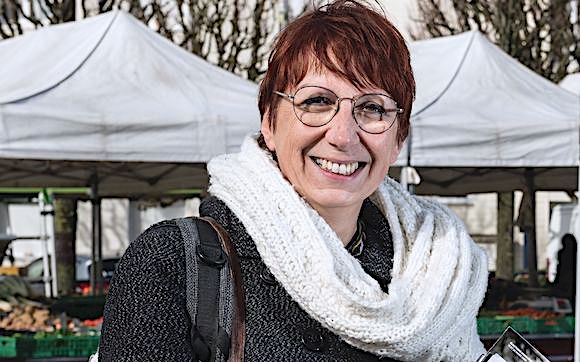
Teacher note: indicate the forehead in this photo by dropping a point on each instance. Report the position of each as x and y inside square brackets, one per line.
[317, 76]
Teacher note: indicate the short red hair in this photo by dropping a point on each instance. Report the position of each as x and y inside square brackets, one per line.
[347, 38]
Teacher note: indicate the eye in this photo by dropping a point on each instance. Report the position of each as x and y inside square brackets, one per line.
[316, 104]
[316, 101]
[371, 107]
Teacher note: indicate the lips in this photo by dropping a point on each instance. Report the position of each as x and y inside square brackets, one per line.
[345, 169]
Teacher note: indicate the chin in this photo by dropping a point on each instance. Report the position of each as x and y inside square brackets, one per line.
[335, 199]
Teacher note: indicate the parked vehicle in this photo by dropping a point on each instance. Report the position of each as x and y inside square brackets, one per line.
[33, 273]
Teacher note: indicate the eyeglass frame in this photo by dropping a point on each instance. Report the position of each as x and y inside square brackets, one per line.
[353, 100]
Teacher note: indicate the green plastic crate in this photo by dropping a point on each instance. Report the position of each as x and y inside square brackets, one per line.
[520, 324]
[48, 346]
[16, 346]
[83, 346]
[497, 324]
[61, 346]
[570, 324]
[489, 325]
[553, 325]
[66, 346]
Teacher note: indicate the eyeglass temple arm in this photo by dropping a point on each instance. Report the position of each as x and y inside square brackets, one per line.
[287, 96]
[398, 110]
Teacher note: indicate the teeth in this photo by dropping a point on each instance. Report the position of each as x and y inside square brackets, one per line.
[338, 168]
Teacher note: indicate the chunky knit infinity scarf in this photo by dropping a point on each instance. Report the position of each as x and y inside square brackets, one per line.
[439, 275]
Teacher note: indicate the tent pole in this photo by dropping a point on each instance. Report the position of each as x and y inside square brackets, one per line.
[45, 238]
[404, 171]
[531, 251]
[96, 254]
[577, 303]
[52, 245]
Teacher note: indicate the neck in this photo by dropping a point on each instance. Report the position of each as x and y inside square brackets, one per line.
[342, 220]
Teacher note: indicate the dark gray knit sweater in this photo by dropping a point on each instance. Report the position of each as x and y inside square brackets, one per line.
[145, 318]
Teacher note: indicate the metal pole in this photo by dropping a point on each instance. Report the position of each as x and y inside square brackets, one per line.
[97, 250]
[577, 303]
[531, 251]
[44, 241]
[404, 171]
[52, 246]
[404, 180]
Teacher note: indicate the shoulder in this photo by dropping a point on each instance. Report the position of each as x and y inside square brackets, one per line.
[211, 205]
[145, 317]
[159, 248]
[160, 238]
[218, 210]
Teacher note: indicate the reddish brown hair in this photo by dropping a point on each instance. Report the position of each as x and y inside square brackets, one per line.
[347, 38]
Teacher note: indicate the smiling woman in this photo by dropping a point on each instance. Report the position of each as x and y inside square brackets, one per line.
[314, 157]
[337, 261]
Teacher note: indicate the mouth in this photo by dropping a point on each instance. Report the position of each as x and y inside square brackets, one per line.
[344, 169]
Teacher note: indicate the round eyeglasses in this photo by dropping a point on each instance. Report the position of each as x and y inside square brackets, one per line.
[316, 106]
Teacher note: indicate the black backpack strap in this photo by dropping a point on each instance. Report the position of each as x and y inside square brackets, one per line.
[209, 290]
[238, 315]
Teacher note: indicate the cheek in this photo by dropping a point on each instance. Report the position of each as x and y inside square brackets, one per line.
[290, 152]
[382, 152]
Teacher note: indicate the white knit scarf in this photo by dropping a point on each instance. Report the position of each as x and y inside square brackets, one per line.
[439, 275]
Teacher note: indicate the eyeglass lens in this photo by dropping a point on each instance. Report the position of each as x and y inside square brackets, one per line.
[316, 106]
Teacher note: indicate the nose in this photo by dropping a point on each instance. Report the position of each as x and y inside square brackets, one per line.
[342, 129]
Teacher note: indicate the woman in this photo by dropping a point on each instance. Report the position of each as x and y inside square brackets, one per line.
[565, 281]
[338, 262]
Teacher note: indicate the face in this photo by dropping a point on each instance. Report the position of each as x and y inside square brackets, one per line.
[311, 157]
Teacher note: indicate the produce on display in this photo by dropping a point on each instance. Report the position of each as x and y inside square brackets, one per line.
[36, 329]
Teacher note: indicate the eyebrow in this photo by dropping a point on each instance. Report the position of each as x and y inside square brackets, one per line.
[375, 92]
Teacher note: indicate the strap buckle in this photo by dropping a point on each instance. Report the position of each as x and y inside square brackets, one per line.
[209, 257]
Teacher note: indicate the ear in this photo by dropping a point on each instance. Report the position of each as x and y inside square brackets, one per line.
[267, 129]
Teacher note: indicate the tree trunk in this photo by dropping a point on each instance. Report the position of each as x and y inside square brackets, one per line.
[504, 267]
[65, 226]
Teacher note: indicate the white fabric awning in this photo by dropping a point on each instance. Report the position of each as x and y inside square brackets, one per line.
[109, 89]
[571, 83]
[479, 112]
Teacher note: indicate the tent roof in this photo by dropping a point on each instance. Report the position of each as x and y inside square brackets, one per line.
[571, 83]
[109, 96]
[481, 118]
[478, 107]
[108, 88]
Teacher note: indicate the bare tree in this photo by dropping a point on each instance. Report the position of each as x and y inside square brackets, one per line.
[233, 34]
[15, 15]
[65, 225]
[544, 35]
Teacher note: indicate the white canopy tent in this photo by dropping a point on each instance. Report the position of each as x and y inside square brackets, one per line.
[481, 119]
[108, 103]
[572, 83]
[483, 122]
[108, 97]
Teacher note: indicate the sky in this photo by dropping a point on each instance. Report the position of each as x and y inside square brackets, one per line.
[400, 12]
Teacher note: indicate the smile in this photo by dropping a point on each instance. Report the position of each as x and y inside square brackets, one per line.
[345, 169]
